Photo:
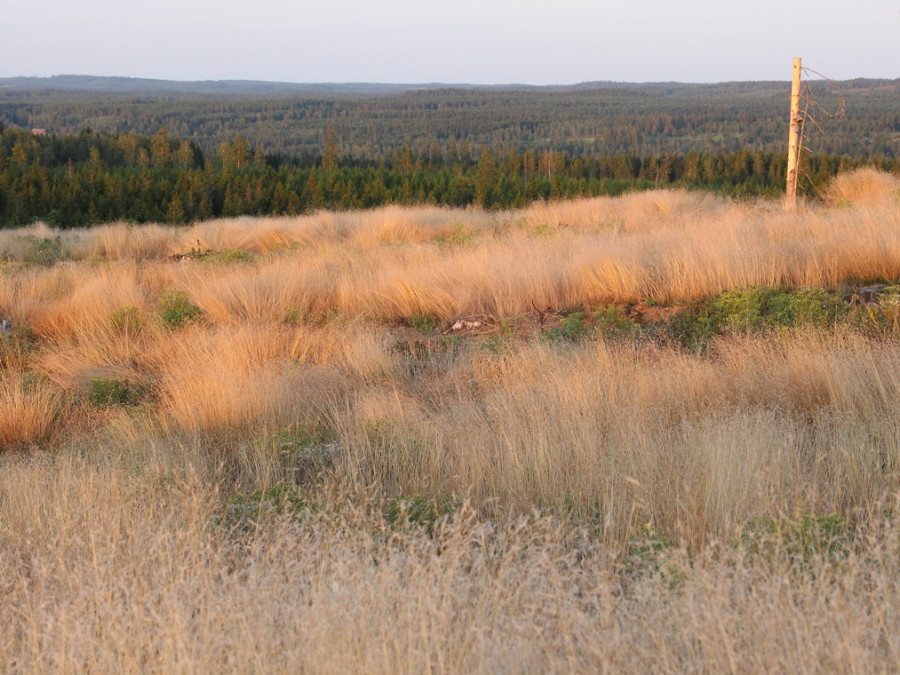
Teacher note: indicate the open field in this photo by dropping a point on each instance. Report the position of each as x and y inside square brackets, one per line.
[654, 432]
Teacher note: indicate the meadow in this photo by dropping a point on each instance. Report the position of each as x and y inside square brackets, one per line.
[655, 432]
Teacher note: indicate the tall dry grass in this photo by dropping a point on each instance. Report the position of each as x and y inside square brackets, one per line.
[28, 410]
[695, 445]
[863, 186]
[667, 247]
[145, 532]
[102, 569]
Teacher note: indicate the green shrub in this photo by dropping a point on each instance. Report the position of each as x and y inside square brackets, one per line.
[738, 310]
[573, 328]
[804, 307]
[755, 309]
[693, 328]
[176, 308]
[109, 391]
[612, 324]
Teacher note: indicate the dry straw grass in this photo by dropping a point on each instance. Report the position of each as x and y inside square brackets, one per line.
[105, 572]
[863, 186]
[145, 532]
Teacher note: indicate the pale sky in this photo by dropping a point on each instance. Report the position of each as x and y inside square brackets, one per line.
[458, 41]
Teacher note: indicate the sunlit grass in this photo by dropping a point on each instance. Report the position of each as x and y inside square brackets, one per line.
[261, 444]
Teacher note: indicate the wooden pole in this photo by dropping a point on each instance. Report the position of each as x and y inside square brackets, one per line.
[794, 138]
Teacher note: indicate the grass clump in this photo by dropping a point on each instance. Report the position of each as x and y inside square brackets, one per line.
[16, 346]
[176, 309]
[44, 252]
[461, 235]
[110, 391]
[29, 408]
[862, 186]
[127, 320]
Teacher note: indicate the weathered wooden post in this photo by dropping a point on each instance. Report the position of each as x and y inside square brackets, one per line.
[793, 162]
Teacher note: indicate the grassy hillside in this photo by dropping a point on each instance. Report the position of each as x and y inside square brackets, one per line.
[656, 431]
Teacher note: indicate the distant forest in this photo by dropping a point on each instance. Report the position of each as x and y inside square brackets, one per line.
[153, 151]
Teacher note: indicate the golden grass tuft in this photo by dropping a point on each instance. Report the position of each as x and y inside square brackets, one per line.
[28, 410]
[863, 186]
[120, 241]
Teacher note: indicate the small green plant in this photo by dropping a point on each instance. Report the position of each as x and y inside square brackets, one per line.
[612, 324]
[426, 324]
[109, 391]
[573, 328]
[801, 537]
[417, 511]
[127, 320]
[176, 309]
[228, 256]
[306, 449]
[241, 510]
[644, 550]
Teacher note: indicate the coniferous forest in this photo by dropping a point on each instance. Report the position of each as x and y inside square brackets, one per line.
[129, 150]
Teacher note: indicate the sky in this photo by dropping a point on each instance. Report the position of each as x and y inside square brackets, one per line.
[451, 41]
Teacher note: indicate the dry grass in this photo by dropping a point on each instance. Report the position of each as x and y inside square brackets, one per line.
[105, 571]
[594, 493]
[863, 186]
[695, 445]
[27, 410]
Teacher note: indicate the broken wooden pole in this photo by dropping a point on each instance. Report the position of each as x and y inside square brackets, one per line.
[793, 163]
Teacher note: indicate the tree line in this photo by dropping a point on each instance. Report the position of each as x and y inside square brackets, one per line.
[88, 178]
[584, 121]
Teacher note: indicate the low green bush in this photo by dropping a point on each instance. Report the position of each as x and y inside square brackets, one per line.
[755, 309]
[613, 324]
[109, 391]
[176, 309]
